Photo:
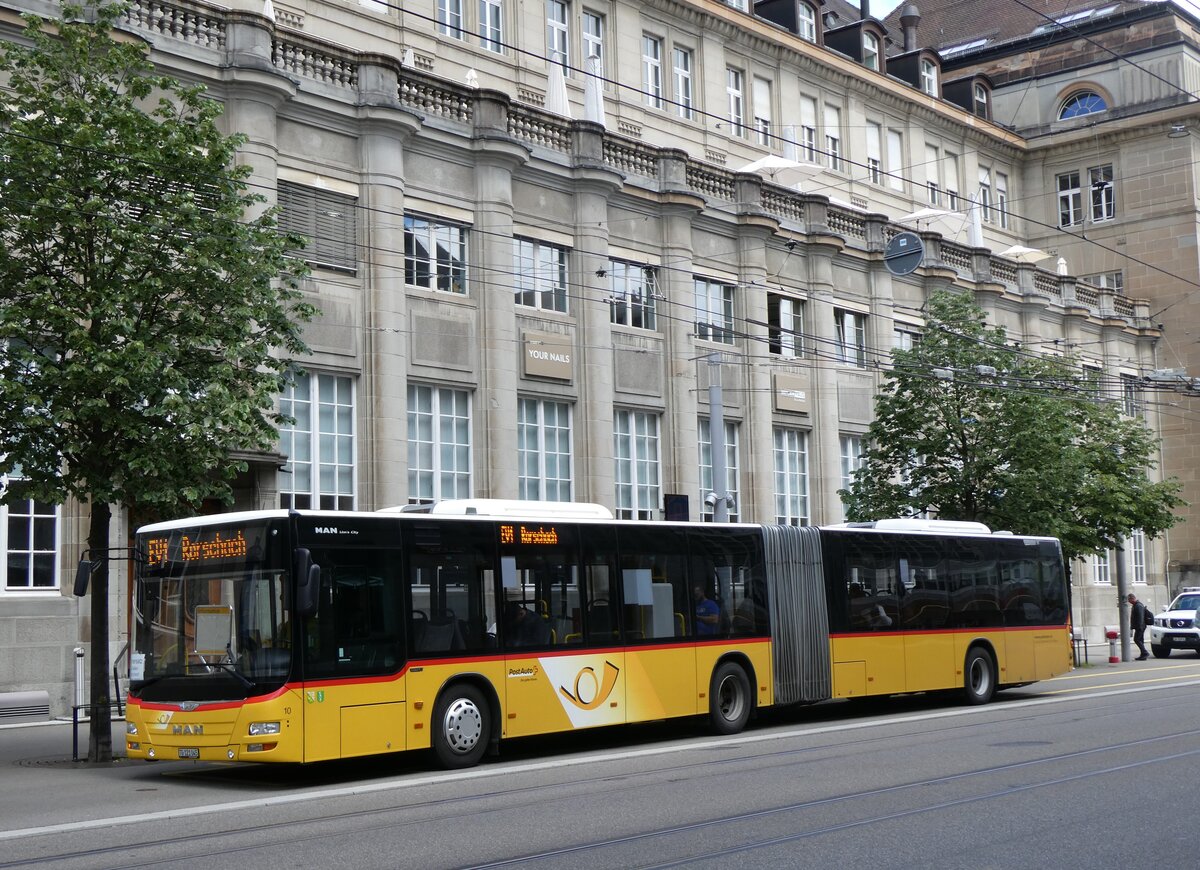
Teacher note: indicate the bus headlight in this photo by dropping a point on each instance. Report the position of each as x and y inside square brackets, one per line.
[131, 728]
[257, 729]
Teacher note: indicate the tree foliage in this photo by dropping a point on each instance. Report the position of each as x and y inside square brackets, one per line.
[146, 320]
[972, 428]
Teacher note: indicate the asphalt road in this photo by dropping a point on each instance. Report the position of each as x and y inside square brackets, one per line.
[1077, 772]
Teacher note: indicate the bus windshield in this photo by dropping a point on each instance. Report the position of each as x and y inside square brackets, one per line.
[213, 613]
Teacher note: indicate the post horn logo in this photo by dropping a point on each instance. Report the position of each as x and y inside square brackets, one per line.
[590, 690]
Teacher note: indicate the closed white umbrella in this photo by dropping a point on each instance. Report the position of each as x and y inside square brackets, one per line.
[1061, 266]
[593, 92]
[975, 224]
[556, 92]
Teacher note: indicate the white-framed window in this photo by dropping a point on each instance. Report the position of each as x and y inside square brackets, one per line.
[851, 330]
[808, 129]
[785, 325]
[633, 294]
[1082, 103]
[852, 459]
[1104, 193]
[652, 81]
[557, 34]
[30, 531]
[1100, 568]
[439, 444]
[1114, 280]
[737, 101]
[762, 111]
[1131, 395]
[491, 25]
[791, 476]
[929, 83]
[739, 5]
[874, 152]
[871, 51]
[435, 254]
[543, 450]
[950, 179]
[833, 137]
[714, 310]
[319, 444]
[982, 101]
[1137, 556]
[895, 164]
[1070, 199]
[904, 339]
[806, 22]
[1002, 198]
[706, 468]
[450, 18]
[593, 36]
[636, 464]
[327, 220]
[985, 194]
[933, 181]
[681, 62]
[540, 277]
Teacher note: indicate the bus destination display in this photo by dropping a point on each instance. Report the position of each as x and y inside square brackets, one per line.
[510, 534]
[222, 545]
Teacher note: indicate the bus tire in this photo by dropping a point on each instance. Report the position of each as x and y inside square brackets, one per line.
[461, 726]
[979, 677]
[729, 699]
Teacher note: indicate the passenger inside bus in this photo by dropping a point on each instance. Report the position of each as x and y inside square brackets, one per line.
[522, 627]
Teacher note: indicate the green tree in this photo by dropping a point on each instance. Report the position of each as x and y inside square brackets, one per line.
[973, 428]
[146, 320]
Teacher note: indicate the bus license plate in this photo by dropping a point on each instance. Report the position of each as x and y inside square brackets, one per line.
[193, 752]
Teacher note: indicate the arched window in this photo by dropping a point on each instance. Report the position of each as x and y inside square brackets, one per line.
[929, 78]
[1080, 104]
[871, 51]
[981, 101]
[807, 23]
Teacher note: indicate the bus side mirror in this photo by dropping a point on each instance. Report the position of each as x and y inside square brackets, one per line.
[308, 582]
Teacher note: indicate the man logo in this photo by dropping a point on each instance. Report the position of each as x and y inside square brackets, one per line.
[592, 691]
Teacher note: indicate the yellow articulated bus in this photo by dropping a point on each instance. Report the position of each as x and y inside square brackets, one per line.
[306, 636]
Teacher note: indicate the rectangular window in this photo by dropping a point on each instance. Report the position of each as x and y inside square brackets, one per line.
[808, 129]
[450, 18]
[1002, 198]
[1070, 199]
[950, 179]
[791, 477]
[540, 277]
[1137, 556]
[851, 330]
[895, 156]
[439, 444]
[785, 325]
[933, 183]
[985, 194]
[320, 444]
[435, 255]
[1131, 392]
[737, 101]
[929, 78]
[874, 152]
[904, 339]
[762, 111]
[852, 449]
[682, 72]
[491, 25]
[871, 51]
[806, 23]
[557, 35]
[706, 468]
[328, 222]
[633, 294]
[636, 465]
[1104, 193]
[29, 536]
[833, 138]
[593, 36]
[652, 83]
[1100, 569]
[543, 450]
[714, 311]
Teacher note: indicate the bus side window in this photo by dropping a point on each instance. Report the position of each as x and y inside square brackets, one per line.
[654, 584]
[451, 572]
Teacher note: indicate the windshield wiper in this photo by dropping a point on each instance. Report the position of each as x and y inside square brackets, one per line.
[230, 668]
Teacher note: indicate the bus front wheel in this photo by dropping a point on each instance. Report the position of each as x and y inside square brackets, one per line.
[729, 699]
[979, 677]
[461, 726]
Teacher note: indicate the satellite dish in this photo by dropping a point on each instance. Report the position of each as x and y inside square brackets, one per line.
[904, 253]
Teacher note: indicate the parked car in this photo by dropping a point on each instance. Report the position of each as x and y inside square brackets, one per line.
[1176, 627]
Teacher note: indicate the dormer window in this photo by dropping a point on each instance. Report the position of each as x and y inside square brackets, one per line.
[981, 101]
[929, 83]
[807, 22]
[871, 51]
[1080, 104]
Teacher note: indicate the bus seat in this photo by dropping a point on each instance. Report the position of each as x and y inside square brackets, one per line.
[680, 625]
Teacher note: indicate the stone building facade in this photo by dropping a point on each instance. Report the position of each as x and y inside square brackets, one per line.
[525, 296]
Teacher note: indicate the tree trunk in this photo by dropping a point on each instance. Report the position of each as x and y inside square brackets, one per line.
[100, 738]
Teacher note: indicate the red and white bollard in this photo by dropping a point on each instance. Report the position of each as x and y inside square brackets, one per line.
[1112, 636]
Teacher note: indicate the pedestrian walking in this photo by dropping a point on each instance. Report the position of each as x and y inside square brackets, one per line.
[1139, 618]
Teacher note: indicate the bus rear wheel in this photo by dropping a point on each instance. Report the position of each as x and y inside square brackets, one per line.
[729, 699]
[979, 677]
[461, 726]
